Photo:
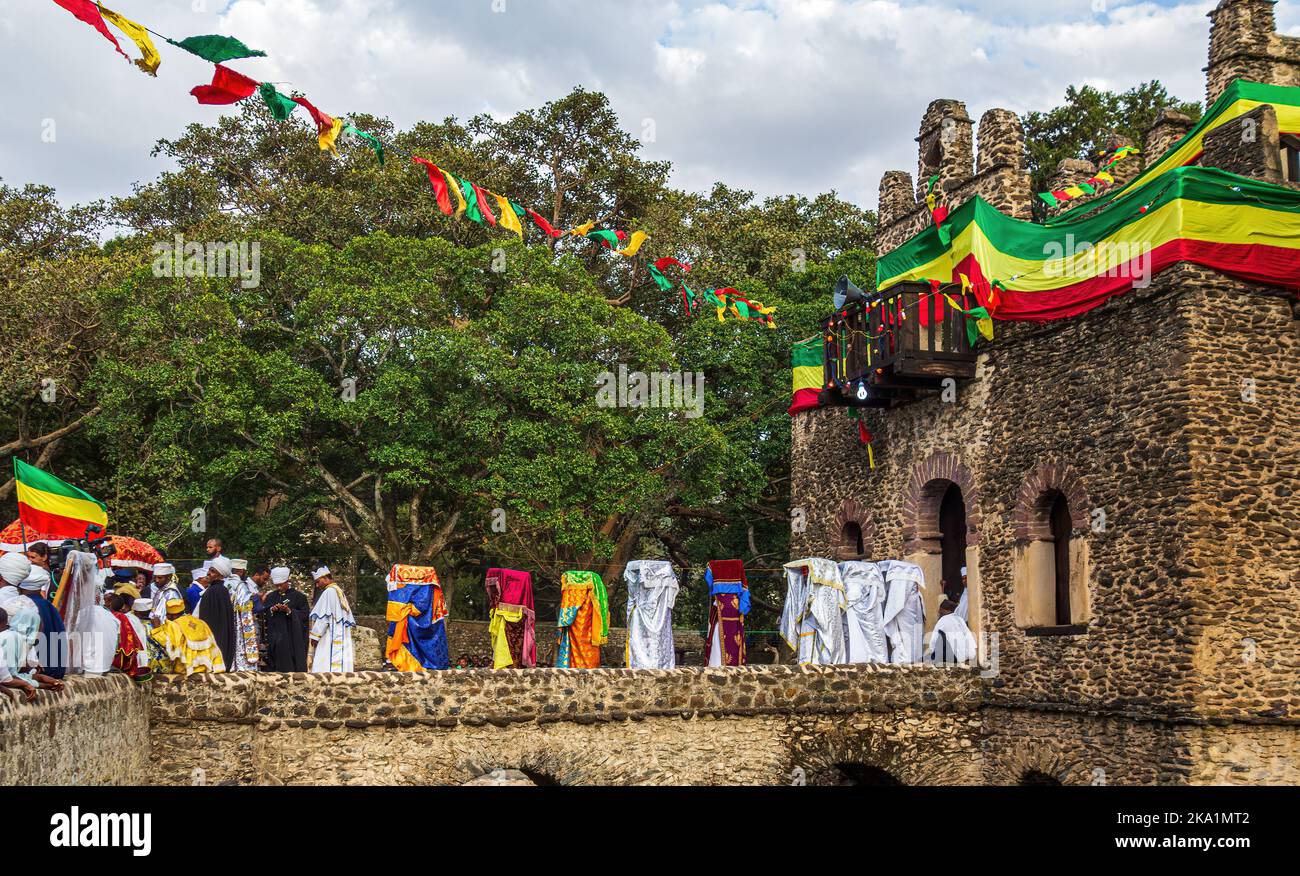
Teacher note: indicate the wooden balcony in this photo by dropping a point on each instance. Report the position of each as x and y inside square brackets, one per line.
[883, 351]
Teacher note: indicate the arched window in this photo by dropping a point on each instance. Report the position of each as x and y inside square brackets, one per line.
[1291, 158]
[851, 538]
[1061, 524]
[952, 540]
[1050, 565]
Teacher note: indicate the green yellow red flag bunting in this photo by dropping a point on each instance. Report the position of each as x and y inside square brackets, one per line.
[456, 196]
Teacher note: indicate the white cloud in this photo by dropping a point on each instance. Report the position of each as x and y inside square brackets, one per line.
[776, 96]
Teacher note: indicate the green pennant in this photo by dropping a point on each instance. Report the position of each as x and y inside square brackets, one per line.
[1050, 199]
[609, 238]
[216, 48]
[471, 201]
[280, 106]
[661, 281]
[374, 141]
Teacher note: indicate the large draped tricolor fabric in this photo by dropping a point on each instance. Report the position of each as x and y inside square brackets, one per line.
[417, 613]
[1172, 212]
[583, 621]
[728, 606]
[513, 626]
[651, 594]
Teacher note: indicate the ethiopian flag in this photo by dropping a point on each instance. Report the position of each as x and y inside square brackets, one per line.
[56, 508]
[806, 360]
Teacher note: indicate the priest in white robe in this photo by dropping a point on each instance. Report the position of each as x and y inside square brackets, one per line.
[164, 590]
[812, 621]
[331, 626]
[651, 594]
[951, 640]
[864, 612]
[904, 611]
[243, 599]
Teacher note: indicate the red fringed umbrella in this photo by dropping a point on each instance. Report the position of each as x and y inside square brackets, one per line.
[11, 538]
[132, 553]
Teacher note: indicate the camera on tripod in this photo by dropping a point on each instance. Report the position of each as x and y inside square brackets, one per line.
[94, 542]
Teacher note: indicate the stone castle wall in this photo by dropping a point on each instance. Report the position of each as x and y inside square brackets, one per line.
[1135, 413]
[94, 732]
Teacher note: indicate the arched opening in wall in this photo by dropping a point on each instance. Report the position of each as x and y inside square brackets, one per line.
[1061, 523]
[1050, 564]
[952, 541]
[539, 778]
[865, 774]
[851, 538]
[1030, 778]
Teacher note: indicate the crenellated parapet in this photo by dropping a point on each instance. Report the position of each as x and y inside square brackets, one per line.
[1244, 44]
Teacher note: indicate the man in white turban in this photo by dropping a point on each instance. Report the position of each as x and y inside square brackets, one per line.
[216, 609]
[244, 601]
[165, 589]
[286, 625]
[331, 626]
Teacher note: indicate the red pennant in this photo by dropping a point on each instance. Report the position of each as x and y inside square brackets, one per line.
[439, 183]
[543, 224]
[324, 123]
[84, 10]
[663, 264]
[483, 207]
[227, 87]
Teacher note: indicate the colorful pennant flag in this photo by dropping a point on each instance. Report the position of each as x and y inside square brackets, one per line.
[375, 143]
[478, 209]
[215, 48]
[150, 60]
[88, 12]
[661, 281]
[508, 220]
[541, 223]
[280, 106]
[227, 87]
[634, 245]
[806, 361]
[53, 507]
[663, 263]
[1098, 181]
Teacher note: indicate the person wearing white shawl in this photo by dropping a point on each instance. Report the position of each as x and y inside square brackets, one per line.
[864, 612]
[812, 621]
[164, 588]
[98, 635]
[24, 617]
[331, 626]
[651, 594]
[904, 611]
[951, 641]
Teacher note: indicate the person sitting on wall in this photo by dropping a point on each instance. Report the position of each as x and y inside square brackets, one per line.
[951, 641]
[13, 659]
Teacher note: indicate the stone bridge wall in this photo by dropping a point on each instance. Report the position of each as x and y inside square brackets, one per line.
[687, 726]
[94, 732]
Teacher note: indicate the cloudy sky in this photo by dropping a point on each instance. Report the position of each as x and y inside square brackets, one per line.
[777, 96]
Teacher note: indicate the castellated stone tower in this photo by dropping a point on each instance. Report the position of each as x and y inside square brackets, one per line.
[1244, 45]
[1144, 453]
[947, 151]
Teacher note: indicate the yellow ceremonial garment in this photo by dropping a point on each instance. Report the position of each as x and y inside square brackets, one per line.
[188, 647]
[502, 615]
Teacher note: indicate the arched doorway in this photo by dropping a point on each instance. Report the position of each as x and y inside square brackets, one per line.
[855, 773]
[1030, 778]
[952, 541]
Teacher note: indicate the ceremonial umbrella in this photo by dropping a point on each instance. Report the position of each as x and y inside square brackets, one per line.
[11, 538]
[131, 553]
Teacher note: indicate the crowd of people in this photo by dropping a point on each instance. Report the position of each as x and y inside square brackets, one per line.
[229, 618]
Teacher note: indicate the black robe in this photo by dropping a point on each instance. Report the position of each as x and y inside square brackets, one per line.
[217, 611]
[286, 634]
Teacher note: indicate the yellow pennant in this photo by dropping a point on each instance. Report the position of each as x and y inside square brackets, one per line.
[509, 219]
[634, 245]
[454, 185]
[136, 32]
[327, 139]
[583, 230]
